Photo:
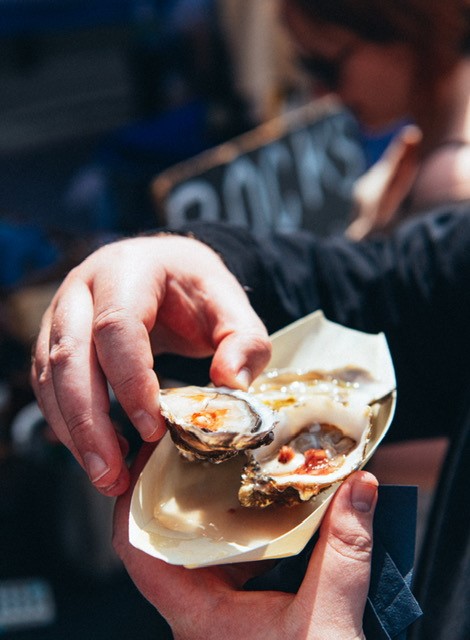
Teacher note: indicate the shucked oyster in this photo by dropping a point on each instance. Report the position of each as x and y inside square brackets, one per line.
[324, 426]
[317, 442]
[215, 423]
[282, 387]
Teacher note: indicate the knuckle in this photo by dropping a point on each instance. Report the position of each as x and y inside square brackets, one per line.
[110, 320]
[353, 545]
[80, 425]
[261, 350]
[256, 344]
[42, 375]
[260, 342]
[62, 351]
[129, 386]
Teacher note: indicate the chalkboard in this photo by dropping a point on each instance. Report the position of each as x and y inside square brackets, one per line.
[296, 171]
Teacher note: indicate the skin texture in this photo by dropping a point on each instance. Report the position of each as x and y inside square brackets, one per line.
[125, 303]
[210, 603]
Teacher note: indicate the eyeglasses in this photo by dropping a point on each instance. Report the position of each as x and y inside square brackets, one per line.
[325, 70]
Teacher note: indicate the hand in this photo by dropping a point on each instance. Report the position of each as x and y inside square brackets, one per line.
[123, 304]
[209, 603]
[379, 193]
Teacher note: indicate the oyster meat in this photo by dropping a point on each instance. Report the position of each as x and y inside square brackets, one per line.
[321, 436]
[281, 387]
[215, 424]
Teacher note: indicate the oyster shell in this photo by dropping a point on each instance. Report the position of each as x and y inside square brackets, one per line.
[318, 441]
[210, 423]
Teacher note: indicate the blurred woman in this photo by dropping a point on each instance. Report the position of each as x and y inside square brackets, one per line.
[392, 61]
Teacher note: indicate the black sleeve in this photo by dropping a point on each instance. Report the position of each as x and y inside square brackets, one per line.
[414, 286]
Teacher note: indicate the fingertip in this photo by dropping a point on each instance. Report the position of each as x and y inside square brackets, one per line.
[363, 494]
[364, 476]
[227, 377]
[356, 498]
[244, 378]
[120, 485]
[151, 428]
[239, 359]
[106, 471]
[95, 466]
[412, 134]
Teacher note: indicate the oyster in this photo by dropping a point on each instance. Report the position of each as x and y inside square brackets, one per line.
[215, 424]
[282, 387]
[318, 441]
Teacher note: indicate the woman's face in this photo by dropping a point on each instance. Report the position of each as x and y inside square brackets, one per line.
[375, 81]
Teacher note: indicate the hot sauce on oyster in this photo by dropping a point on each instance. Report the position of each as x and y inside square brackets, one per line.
[215, 424]
[300, 431]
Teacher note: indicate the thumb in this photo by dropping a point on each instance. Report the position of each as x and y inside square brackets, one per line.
[337, 579]
[379, 193]
[403, 160]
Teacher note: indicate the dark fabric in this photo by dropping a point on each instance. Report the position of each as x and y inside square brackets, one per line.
[414, 286]
[391, 602]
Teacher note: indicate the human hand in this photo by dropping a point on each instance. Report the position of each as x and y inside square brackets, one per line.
[210, 603]
[123, 304]
[379, 193]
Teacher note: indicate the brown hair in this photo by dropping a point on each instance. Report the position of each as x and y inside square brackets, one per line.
[437, 30]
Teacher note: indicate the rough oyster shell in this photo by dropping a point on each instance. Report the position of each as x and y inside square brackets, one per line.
[209, 423]
[318, 441]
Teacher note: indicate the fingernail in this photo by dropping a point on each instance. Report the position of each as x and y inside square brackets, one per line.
[95, 465]
[146, 424]
[244, 378]
[363, 495]
[118, 487]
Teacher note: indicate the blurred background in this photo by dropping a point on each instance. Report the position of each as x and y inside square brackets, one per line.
[112, 118]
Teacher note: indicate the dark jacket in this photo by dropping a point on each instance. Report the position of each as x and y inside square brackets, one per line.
[414, 286]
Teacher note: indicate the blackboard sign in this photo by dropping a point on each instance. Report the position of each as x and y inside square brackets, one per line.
[296, 171]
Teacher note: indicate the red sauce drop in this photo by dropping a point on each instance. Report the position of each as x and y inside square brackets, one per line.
[315, 460]
[209, 420]
[286, 454]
